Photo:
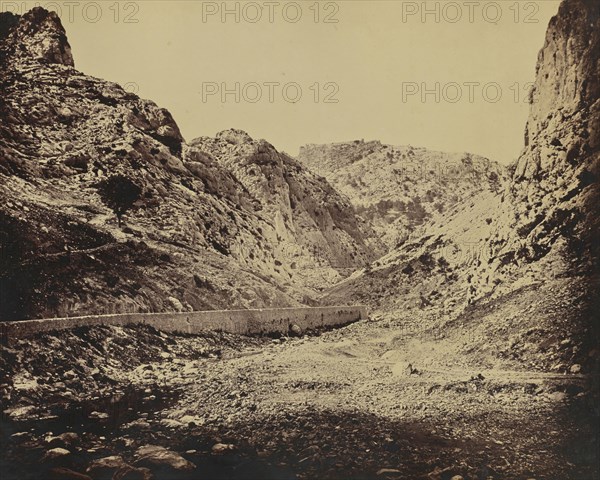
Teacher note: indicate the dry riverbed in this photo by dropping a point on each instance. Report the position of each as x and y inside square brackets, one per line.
[359, 402]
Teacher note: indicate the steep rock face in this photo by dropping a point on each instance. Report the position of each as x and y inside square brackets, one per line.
[318, 237]
[519, 266]
[559, 166]
[566, 79]
[553, 196]
[399, 188]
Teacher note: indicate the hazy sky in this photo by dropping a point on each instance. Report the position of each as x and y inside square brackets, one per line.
[360, 66]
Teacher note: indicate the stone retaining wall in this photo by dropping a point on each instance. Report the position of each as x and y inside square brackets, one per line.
[243, 322]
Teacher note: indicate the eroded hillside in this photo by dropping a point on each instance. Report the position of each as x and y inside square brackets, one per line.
[197, 237]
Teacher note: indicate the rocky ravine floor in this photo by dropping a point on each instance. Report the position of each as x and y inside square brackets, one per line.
[343, 404]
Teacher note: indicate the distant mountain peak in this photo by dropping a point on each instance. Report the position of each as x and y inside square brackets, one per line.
[399, 188]
[36, 35]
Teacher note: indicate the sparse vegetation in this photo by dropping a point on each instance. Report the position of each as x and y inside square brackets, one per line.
[120, 193]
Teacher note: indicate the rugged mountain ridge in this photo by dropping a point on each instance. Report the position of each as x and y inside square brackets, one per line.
[513, 275]
[399, 188]
[62, 133]
[198, 238]
[315, 227]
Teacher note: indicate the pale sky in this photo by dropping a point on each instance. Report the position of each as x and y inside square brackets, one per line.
[375, 61]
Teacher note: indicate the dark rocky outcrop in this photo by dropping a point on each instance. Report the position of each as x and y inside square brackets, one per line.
[37, 35]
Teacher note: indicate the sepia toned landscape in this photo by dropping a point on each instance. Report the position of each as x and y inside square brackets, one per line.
[163, 300]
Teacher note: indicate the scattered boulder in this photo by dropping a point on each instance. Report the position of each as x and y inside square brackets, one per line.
[67, 439]
[556, 396]
[99, 415]
[220, 448]
[55, 453]
[176, 304]
[295, 330]
[576, 368]
[445, 473]
[382, 472]
[153, 456]
[106, 467]
[140, 423]
[403, 369]
[132, 473]
[21, 412]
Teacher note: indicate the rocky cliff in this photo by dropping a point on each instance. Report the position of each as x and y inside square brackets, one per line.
[196, 238]
[514, 274]
[551, 202]
[38, 35]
